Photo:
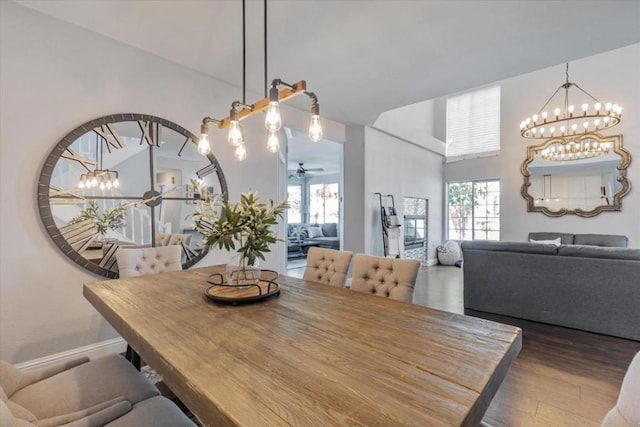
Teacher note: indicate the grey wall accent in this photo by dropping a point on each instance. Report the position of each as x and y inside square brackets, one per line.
[354, 179]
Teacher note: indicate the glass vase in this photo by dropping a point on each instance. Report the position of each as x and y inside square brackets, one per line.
[242, 274]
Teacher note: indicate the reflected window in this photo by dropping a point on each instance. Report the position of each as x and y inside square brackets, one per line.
[473, 210]
[294, 213]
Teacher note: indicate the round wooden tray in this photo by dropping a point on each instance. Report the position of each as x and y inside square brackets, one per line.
[222, 292]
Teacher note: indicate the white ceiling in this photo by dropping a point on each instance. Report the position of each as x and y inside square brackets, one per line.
[363, 57]
[323, 154]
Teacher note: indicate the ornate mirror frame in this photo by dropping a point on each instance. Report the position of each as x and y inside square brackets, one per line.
[625, 156]
[150, 127]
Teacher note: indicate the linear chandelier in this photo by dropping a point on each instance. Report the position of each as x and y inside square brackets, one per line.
[279, 91]
[565, 121]
[99, 177]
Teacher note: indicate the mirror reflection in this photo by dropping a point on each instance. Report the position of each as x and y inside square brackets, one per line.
[582, 176]
[124, 181]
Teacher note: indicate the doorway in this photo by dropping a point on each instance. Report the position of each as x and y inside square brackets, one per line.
[314, 188]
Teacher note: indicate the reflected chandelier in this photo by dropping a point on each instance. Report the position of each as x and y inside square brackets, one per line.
[99, 178]
[565, 121]
[278, 92]
[574, 150]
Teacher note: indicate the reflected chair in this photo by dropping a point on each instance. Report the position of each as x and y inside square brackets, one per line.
[327, 266]
[626, 413]
[386, 277]
[183, 240]
[162, 239]
[142, 261]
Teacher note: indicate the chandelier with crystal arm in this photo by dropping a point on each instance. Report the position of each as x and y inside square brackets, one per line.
[565, 121]
[279, 91]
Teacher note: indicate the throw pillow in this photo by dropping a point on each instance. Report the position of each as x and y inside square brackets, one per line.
[547, 242]
[315, 232]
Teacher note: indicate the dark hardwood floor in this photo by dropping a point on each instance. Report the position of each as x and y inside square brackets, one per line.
[562, 376]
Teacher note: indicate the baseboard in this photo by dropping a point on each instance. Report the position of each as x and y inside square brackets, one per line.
[103, 348]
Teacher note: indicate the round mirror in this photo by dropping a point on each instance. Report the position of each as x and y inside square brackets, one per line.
[124, 181]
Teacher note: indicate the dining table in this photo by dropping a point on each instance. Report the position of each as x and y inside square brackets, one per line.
[311, 355]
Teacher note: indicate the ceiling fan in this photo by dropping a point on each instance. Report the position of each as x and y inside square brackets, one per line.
[301, 171]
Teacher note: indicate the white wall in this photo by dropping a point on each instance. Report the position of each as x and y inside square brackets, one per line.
[414, 123]
[611, 77]
[53, 77]
[394, 166]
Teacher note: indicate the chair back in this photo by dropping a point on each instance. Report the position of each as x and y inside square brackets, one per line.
[142, 261]
[180, 239]
[162, 239]
[626, 413]
[327, 266]
[386, 277]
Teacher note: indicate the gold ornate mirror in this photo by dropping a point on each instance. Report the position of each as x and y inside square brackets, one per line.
[123, 181]
[582, 176]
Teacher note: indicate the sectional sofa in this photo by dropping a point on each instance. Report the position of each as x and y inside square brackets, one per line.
[589, 282]
[326, 235]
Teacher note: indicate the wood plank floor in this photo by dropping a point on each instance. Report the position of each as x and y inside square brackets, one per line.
[562, 377]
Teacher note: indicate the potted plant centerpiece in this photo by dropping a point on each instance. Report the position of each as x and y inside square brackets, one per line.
[244, 227]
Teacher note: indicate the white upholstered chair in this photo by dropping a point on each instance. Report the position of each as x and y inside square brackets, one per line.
[142, 261]
[135, 262]
[162, 239]
[386, 277]
[626, 413]
[327, 266]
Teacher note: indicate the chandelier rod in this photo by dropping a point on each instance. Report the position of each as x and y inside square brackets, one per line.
[265, 49]
[244, 56]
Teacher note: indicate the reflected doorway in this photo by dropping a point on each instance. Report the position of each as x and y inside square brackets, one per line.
[416, 214]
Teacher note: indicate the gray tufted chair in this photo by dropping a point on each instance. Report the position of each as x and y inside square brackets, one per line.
[143, 261]
[386, 277]
[327, 266]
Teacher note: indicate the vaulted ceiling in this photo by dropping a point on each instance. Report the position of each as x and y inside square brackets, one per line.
[363, 57]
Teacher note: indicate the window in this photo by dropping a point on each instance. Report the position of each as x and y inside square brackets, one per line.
[294, 213]
[324, 203]
[473, 210]
[473, 123]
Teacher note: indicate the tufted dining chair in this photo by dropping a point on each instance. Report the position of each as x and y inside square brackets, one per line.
[162, 239]
[137, 262]
[386, 277]
[327, 266]
[142, 261]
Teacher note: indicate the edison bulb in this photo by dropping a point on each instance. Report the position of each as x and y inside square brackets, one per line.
[273, 144]
[315, 128]
[273, 121]
[235, 133]
[241, 152]
[204, 147]
[116, 183]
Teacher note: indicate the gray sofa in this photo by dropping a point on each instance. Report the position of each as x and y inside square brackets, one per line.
[593, 287]
[329, 238]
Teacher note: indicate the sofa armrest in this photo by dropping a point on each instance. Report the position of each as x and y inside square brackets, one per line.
[31, 377]
[95, 416]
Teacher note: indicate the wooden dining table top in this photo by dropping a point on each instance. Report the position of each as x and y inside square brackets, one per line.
[315, 355]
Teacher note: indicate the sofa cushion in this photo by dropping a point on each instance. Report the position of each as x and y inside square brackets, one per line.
[84, 386]
[565, 238]
[330, 229]
[314, 231]
[522, 247]
[607, 240]
[586, 251]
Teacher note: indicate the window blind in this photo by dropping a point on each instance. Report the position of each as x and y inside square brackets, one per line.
[473, 123]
